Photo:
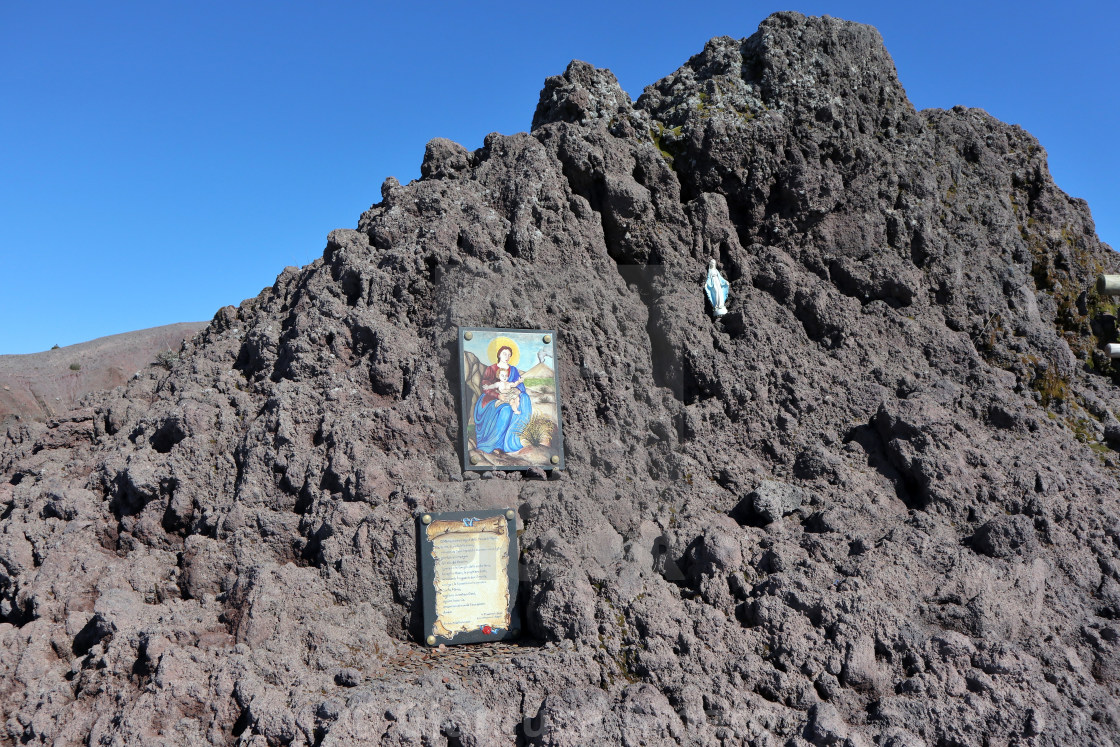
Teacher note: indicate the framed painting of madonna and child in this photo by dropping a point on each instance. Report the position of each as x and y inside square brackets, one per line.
[511, 399]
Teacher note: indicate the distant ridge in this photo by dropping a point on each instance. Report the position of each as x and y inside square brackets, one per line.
[39, 386]
[539, 371]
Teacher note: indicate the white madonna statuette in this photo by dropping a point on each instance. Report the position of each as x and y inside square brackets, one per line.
[716, 287]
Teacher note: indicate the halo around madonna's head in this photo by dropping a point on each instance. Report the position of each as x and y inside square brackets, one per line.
[503, 342]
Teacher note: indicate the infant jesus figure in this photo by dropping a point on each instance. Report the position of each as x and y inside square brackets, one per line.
[507, 392]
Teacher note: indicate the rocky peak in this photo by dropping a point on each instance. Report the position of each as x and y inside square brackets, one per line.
[808, 68]
[584, 92]
[810, 63]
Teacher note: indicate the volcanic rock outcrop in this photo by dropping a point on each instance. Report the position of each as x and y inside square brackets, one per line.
[875, 503]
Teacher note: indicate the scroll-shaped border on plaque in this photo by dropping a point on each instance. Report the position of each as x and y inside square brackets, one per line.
[468, 576]
[520, 431]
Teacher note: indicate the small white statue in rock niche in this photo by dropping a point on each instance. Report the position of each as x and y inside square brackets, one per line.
[717, 288]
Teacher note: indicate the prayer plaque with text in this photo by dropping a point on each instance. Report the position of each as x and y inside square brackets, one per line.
[468, 575]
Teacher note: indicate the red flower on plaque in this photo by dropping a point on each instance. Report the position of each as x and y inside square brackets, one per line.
[487, 630]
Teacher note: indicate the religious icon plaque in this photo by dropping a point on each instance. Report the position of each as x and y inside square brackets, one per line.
[510, 389]
[468, 575]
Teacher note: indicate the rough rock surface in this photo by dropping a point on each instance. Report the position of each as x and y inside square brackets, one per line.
[224, 552]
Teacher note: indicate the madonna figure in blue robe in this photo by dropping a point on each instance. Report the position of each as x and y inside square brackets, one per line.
[496, 426]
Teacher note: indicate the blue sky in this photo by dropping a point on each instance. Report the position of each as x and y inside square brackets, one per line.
[159, 160]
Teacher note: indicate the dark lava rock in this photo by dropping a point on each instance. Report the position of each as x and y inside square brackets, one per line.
[771, 501]
[912, 348]
[347, 677]
[1004, 536]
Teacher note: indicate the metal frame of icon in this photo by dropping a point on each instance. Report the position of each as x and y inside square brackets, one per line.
[510, 424]
[468, 575]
